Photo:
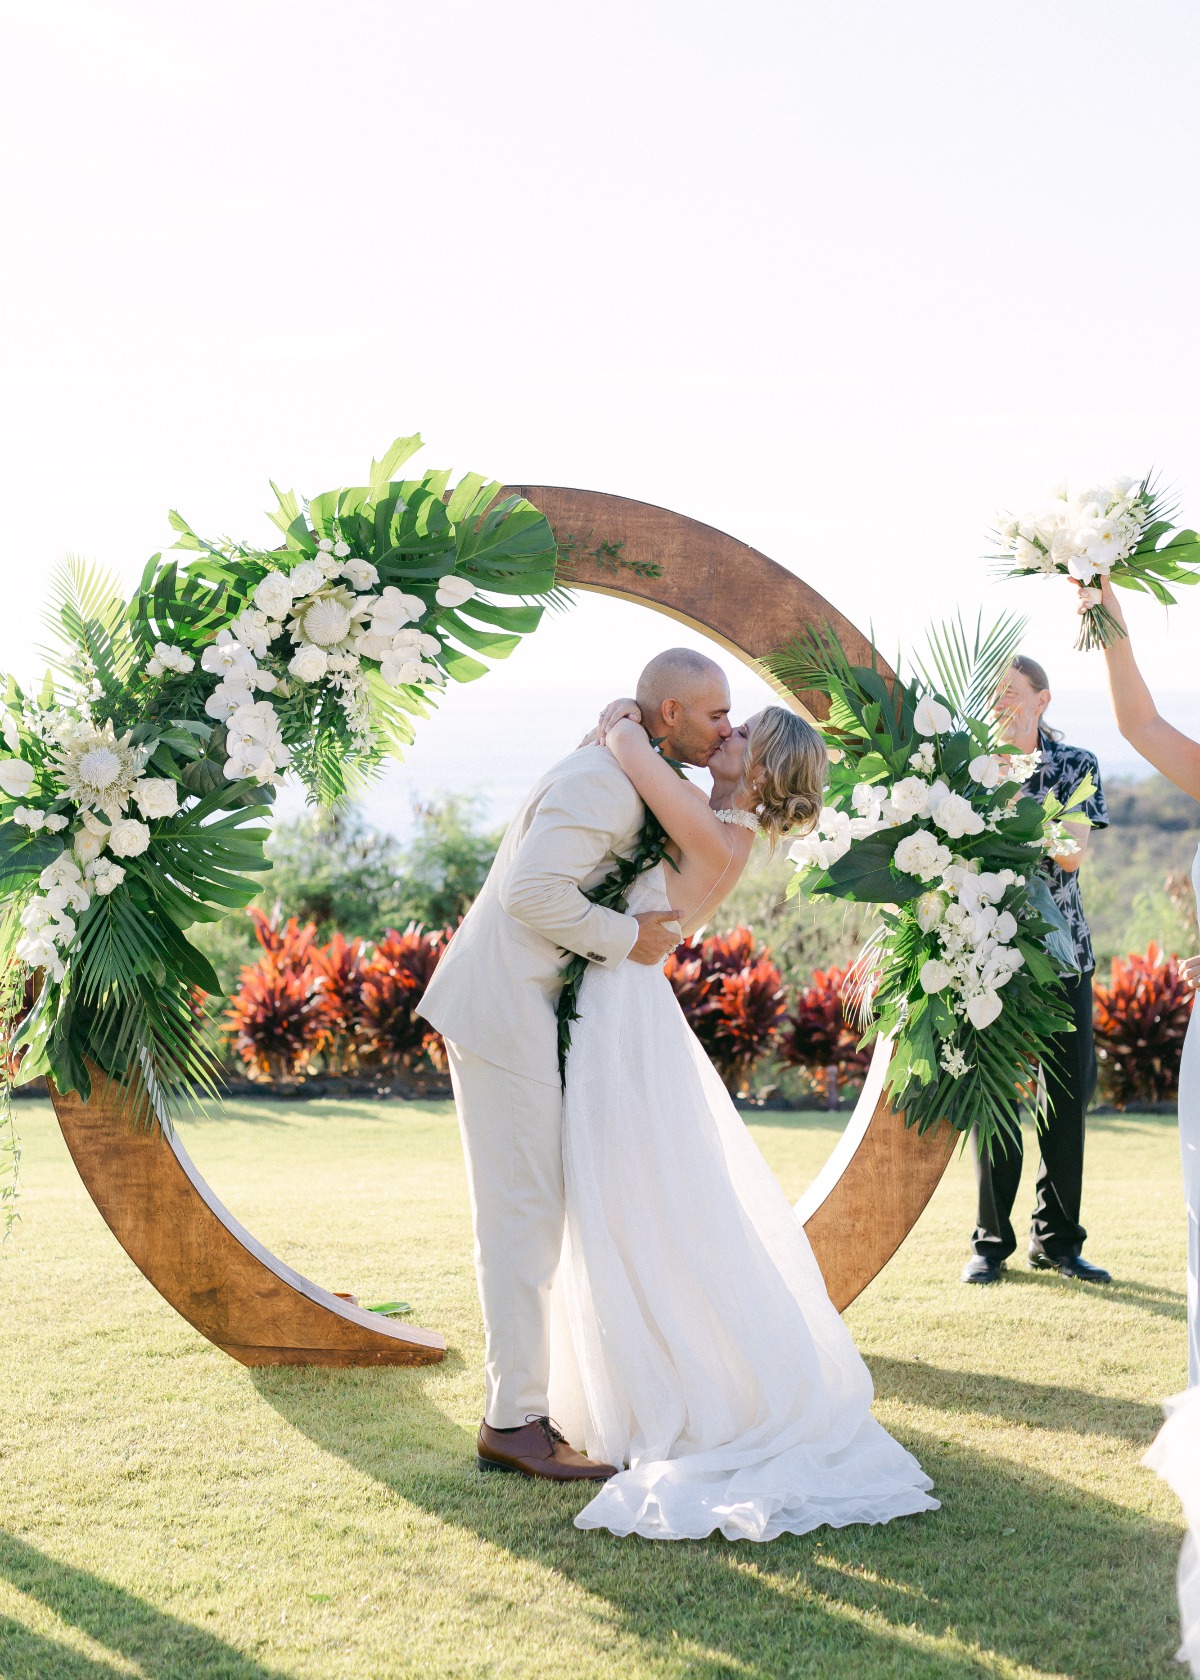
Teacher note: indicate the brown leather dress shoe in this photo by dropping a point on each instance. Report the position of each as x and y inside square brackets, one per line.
[538, 1449]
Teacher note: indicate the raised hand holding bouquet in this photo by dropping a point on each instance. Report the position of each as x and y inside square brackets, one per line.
[1114, 531]
[135, 779]
[926, 818]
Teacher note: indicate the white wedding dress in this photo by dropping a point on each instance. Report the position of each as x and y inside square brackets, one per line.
[693, 1338]
[1175, 1453]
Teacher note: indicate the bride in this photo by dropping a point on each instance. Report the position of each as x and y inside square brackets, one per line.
[694, 1340]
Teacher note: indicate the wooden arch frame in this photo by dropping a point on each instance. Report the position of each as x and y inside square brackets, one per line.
[262, 1312]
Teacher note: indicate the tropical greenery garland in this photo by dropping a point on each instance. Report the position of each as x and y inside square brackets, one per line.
[926, 818]
[138, 777]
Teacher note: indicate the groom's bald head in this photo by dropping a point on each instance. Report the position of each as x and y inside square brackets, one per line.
[684, 701]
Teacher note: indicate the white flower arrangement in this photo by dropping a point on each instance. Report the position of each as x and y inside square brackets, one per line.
[1097, 531]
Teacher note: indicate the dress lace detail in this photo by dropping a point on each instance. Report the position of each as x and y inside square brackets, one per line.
[739, 819]
[693, 1339]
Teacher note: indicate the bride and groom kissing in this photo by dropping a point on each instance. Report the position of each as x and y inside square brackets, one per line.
[645, 1282]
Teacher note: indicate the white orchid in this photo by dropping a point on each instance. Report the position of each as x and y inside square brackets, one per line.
[393, 609]
[360, 573]
[255, 631]
[227, 657]
[931, 717]
[10, 732]
[255, 743]
[954, 1062]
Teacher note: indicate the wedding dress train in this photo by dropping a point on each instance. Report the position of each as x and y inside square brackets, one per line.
[693, 1338]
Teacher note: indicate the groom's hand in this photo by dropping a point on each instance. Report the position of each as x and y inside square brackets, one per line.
[658, 934]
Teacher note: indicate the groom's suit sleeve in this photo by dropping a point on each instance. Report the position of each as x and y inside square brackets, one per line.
[574, 829]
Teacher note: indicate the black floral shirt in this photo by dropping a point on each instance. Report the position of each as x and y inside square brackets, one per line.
[1060, 772]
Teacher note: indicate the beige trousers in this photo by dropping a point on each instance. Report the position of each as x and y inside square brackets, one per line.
[512, 1139]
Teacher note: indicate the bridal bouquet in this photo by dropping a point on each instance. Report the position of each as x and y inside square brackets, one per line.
[134, 782]
[926, 818]
[1114, 530]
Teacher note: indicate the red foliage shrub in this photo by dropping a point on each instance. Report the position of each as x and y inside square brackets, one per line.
[276, 1019]
[1141, 1017]
[339, 972]
[732, 995]
[393, 984]
[816, 1034]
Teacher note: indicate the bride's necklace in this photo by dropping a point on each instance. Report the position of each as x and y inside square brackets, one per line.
[739, 819]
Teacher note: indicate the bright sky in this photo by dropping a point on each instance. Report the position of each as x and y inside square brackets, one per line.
[841, 280]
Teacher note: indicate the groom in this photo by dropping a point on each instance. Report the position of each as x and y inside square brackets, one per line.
[493, 998]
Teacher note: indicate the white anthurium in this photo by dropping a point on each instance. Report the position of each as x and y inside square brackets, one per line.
[274, 595]
[956, 816]
[929, 910]
[935, 976]
[983, 1008]
[360, 573]
[156, 796]
[931, 717]
[922, 855]
[16, 777]
[88, 846]
[453, 591]
[12, 735]
[309, 663]
[128, 837]
[985, 770]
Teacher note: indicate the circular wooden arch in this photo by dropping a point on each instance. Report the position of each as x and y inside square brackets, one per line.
[260, 1311]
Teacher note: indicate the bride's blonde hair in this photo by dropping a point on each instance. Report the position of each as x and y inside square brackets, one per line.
[786, 770]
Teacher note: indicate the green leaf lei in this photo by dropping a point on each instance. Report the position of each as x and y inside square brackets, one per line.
[612, 893]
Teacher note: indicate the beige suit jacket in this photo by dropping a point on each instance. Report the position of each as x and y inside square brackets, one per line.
[496, 989]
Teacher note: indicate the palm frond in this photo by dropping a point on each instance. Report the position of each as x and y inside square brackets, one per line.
[965, 668]
[86, 614]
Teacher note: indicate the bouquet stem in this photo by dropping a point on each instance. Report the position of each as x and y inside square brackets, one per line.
[1098, 629]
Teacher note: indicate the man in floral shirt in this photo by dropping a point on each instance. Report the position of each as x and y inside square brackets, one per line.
[1056, 1236]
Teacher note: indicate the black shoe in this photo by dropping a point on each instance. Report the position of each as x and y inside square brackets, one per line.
[981, 1269]
[1068, 1265]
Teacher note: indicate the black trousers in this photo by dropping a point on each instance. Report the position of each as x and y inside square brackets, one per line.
[1070, 1072]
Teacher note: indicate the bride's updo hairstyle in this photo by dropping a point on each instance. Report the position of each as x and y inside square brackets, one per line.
[786, 770]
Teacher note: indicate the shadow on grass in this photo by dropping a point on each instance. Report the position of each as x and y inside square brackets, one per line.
[1017, 1568]
[1149, 1297]
[1036, 1404]
[162, 1647]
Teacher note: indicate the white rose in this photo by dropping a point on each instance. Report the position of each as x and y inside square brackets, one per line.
[326, 545]
[16, 777]
[56, 822]
[156, 797]
[984, 770]
[105, 876]
[956, 816]
[935, 976]
[128, 838]
[921, 854]
[453, 591]
[309, 664]
[306, 577]
[154, 667]
[361, 573]
[227, 697]
[274, 595]
[88, 846]
[867, 798]
[983, 1008]
[931, 717]
[908, 797]
[26, 816]
[341, 549]
[929, 910]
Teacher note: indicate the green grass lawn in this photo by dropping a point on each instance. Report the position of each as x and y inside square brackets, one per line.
[166, 1513]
